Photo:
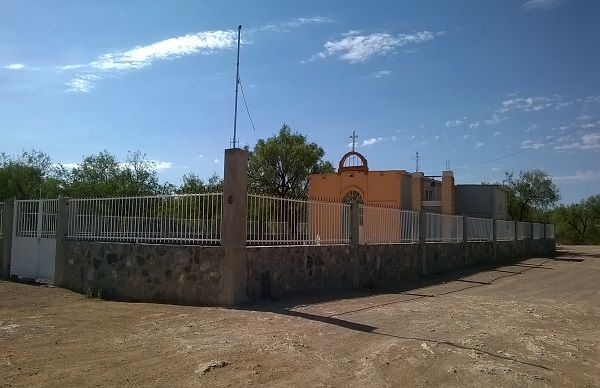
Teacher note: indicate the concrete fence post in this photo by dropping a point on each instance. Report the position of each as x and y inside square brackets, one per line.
[7, 233]
[494, 239]
[531, 230]
[465, 236]
[233, 228]
[516, 230]
[423, 240]
[62, 229]
[354, 224]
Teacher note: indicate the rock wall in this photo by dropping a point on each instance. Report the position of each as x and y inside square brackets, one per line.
[192, 274]
[145, 272]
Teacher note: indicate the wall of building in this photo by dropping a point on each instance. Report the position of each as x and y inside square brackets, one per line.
[485, 201]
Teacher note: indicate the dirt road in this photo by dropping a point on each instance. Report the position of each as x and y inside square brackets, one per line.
[535, 323]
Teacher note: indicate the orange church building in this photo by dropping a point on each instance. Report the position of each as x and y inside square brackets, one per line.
[354, 182]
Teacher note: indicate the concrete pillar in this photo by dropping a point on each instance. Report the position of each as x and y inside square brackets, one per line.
[62, 229]
[355, 242]
[417, 190]
[423, 241]
[465, 236]
[233, 228]
[354, 224]
[448, 193]
[494, 239]
[7, 233]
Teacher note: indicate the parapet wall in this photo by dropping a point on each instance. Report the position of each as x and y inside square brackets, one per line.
[193, 274]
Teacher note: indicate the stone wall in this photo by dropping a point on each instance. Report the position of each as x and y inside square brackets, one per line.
[193, 274]
[145, 272]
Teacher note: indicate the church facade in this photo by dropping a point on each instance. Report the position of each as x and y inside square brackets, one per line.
[354, 182]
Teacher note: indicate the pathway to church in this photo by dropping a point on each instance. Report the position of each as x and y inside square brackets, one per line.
[534, 323]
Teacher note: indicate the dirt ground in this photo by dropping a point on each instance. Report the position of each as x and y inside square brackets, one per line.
[535, 323]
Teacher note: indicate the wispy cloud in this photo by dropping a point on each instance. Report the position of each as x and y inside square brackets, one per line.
[479, 145]
[541, 4]
[216, 161]
[474, 125]
[579, 176]
[453, 123]
[356, 47]
[590, 141]
[497, 133]
[83, 83]
[161, 165]
[293, 23]
[381, 74]
[14, 66]
[531, 144]
[368, 142]
[140, 57]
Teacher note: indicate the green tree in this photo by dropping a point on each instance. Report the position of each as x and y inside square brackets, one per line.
[30, 175]
[102, 175]
[578, 223]
[532, 190]
[280, 166]
[192, 184]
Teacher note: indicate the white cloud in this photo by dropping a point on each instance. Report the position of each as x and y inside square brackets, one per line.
[466, 136]
[216, 160]
[479, 145]
[541, 4]
[160, 165]
[474, 125]
[497, 133]
[293, 23]
[355, 47]
[381, 74]
[532, 127]
[140, 57]
[579, 176]
[453, 123]
[83, 83]
[588, 142]
[68, 166]
[494, 169]
[15, 66]
[368, 142]
[530, 144]
[200, 156]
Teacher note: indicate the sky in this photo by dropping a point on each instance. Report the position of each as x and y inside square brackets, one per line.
[486, 86]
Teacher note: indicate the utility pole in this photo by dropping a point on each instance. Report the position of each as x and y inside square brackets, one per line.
[237, 83]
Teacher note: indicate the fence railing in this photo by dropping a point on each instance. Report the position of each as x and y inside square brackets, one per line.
[549, 232]
[523, 230]
[36, 218]
[444, 228]
[190, 218]
[538, 231]
[283, 221]
[480, 229]
[505, 230]
[381, 225]
[1, 217]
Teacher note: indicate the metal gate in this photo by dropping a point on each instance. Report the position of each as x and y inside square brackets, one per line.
[34, 239]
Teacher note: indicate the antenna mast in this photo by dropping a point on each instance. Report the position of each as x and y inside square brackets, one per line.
[237, 83]
[417, 159]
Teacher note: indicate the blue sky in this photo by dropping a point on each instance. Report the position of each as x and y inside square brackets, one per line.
[488, 85]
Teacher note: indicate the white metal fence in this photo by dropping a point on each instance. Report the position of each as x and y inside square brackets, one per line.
[549, 231]
[1, 217]
[36, 218]
[444, 228]
[538, 231]
[282, 221]
[480, 229]
[382, 225]
[523, 230]
[505, 230]
[190, 218]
